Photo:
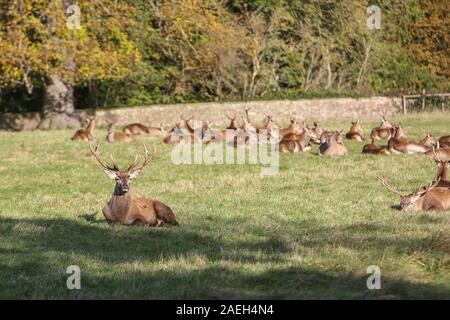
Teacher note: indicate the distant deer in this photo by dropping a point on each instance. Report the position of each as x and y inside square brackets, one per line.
[123, 208]
[294, 127]
[114, 136]
[332, 144]
[316, 131]
[430, 197]
[444, 141]
[442, 153]
[383, 131]
[442, 172]
[355, 132]
[374, 149]
[294, 143]
[86, 134]
[397, 144]
[234, 125]
[177, 135]
[137, 128]
[428, 141]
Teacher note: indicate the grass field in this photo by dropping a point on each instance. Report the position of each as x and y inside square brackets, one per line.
[309, 232]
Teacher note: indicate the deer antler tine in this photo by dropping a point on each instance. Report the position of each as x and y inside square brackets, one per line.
[389, 187]
[96, 154]
[430, 187]
[435, 156]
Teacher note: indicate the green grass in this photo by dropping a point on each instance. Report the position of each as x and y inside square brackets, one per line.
[309, 232]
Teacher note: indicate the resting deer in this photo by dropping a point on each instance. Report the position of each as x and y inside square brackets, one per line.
[442, 172]
[428, 141]
[234, 125]
[123, 208]
[294, 143]
[444, 141]
[332, 144]
[137, 128]
[431, 197]
[397, 144]
[355, 132]
[86, 134]
[316, 132]
[247, 134]
[383, 131]
[385, 123]
[177, 135]
[374, 149]
[294, 127]
[114, 136]
[442, 153]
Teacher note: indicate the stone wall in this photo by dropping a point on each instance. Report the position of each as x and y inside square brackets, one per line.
[309, 110]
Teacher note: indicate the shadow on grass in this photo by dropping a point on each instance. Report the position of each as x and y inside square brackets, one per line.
[192, 265]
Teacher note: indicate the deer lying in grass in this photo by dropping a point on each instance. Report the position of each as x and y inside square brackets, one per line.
[86, 134]
[332, 144]
[383, 131]
[431, 197]
[177, 135]
[442, 172]
[316, 132]
[125, 209]
[294, 127]
[442, 153]
[444, 141]
[294, 142]
[356, 132]
[397, 144]
[137, 128]
[114, 136]
[428, 141]
[234, 125]
[246, 135]
[374, 149]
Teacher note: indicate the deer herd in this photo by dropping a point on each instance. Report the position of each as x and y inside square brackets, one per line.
[125, 209]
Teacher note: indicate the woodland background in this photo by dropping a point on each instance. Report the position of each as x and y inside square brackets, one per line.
[141, 52]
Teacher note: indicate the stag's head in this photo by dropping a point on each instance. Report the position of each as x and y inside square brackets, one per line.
[385, 123]
[123, 178]
[430, 140]
[399, 132]
[296, 127]
[407, 201]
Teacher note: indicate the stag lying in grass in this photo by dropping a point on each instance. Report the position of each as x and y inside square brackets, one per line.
[123, 208]
[431, 197]
[86, 134]
[332, 144]
[356, 132]
[441, 153]
[383, 132]
[428, 141]
[114, 136]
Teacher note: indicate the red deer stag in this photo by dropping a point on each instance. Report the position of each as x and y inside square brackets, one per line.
[431, 197]
[442, 153]
[86, 134]
[294, 143]
[374, 149]
[444, 141]
[383, 131]
[123, 208]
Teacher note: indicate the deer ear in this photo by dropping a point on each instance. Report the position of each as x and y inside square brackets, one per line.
[110, 173]
[135, 173]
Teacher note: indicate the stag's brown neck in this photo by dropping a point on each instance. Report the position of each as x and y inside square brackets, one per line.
[90, 127]
[121, 200]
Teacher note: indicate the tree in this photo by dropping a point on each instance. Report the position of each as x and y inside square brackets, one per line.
[41, 41]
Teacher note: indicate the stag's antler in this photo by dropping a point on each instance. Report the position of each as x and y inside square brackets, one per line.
[430, 187]
[147, 159]
[390, 187]
[96, 154]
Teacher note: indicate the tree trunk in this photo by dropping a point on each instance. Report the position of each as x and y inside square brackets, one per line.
[59, 109]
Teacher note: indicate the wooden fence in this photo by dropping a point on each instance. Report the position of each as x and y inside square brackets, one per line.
[423, 97]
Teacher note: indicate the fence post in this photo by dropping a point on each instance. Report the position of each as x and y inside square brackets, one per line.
[423, 100]
[404, 104]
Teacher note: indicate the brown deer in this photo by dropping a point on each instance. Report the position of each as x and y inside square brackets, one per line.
[383, 131]
[428, 141]
[444, 141]
[86, 134]
[234, 125]
[123, 208]
[332, 144]
[114, 136]
[177, 135]
[431, 197]
[294, 143]
[442, 153]
[442, 172]
[374, 149]
[316, 132]
[294, 127]
[137, 128]
[356, 132]
[397, 144]
[385, 123]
